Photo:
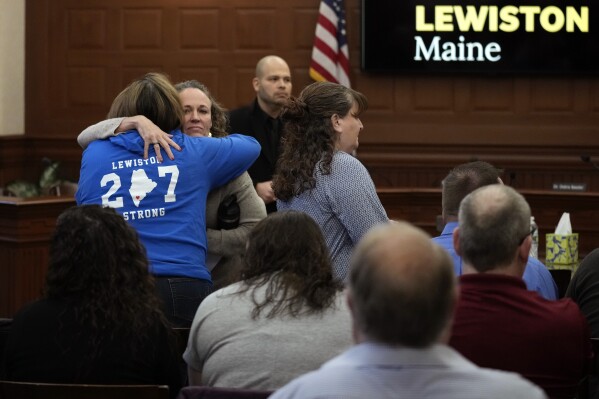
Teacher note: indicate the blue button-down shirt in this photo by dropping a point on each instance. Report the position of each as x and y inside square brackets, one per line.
[536, 276]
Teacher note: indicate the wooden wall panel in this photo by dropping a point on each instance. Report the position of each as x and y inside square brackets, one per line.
[26, 227]
[12, 155]
[422, 207]
[81, 53]
[524, 167]
[93, 48]
[22, 158]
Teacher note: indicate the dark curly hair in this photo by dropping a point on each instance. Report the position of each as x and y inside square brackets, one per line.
[287, 253]
[220, 119]
[308, 136]
[98, 264]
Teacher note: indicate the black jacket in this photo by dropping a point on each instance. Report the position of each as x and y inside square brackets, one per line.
[252, 121]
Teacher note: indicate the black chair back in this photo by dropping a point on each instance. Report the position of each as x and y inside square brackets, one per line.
[36, 390]
[203, 392]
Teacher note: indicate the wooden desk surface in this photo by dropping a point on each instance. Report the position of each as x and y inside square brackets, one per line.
[26, 226]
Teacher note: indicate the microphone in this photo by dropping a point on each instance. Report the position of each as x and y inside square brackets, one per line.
[587, 159]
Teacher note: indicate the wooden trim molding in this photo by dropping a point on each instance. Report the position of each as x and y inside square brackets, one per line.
[425, 166]
[422, 207]
[26, 226]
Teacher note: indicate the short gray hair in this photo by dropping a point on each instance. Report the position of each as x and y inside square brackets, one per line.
[493, 222]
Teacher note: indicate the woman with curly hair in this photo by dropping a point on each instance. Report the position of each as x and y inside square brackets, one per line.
[317, 174]
[286, 317]
[99, 320]
[203, 116]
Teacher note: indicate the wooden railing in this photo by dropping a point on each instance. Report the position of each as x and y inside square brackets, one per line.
[26, 226]
[422, 207]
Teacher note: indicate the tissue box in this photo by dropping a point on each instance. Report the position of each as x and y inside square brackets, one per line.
[561, 251]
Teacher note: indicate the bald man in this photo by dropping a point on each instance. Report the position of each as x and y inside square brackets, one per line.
[498, 322]
[260, 120]
[401, 295]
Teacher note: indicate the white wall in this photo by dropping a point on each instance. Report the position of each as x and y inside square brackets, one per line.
[12, 67]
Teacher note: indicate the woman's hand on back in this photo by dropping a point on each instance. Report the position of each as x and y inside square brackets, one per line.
[152, 136]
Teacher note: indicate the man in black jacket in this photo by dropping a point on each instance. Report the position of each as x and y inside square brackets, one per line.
[260, 120]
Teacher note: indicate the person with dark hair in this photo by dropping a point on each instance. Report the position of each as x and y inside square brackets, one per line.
[317, 174]
[99, 320]
[402, 294]
[461, 181]
[500, 324]
[260, 119]
[287, 315]
[584, 290]
[203, 116]
[164, 201]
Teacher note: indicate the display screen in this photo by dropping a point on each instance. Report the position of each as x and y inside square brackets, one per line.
[495, 37]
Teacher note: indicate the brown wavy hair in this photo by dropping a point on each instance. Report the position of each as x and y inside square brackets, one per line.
[98, 264]
[220, 119]
[308, 135]
[152, 96]
[287, 253]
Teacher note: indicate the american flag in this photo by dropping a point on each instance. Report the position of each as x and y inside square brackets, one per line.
[330, 54]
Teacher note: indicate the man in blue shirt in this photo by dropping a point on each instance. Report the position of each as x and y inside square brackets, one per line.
[461, 181]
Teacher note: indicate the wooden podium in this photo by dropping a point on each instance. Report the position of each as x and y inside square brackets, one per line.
[26, 226]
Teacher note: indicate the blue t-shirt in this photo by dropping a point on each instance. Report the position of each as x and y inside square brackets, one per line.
[536, 276]
[165, 202]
